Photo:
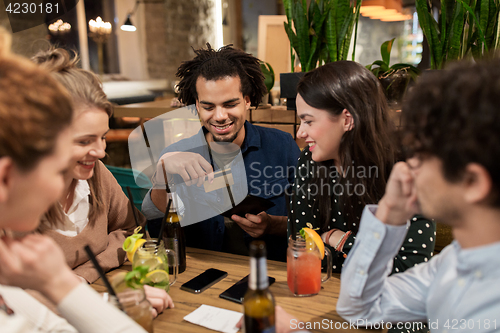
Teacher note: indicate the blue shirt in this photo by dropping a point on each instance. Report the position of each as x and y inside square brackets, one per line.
[458, 290]
[270, 157]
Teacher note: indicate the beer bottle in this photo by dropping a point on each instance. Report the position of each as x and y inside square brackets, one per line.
[174, 239]
[258, 304]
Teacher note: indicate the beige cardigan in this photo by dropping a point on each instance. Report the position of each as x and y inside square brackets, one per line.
[106, 236]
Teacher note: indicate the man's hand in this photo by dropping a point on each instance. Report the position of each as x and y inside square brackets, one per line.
[261, 224]
[192, 167]
[399, 202]
[158, 298]
[36, 262]
[254, 225]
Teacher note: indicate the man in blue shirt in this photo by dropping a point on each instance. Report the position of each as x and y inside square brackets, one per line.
[223, 84]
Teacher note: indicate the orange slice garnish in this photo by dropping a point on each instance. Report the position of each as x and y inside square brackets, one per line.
[312, 236]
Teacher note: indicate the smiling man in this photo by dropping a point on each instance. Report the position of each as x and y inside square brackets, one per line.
[223, 84]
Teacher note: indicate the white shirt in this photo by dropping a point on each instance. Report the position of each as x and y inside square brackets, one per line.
[77, 217]
[456, 291]
[84, 310]
[30, 314]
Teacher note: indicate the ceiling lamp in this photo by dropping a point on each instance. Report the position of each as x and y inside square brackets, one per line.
[381, 6]
[372, 6]
[128, 25]
[384, 10]
[400, 17]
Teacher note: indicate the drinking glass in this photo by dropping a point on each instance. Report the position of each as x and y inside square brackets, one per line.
[136, 306]
[153, 254]
[303, 266]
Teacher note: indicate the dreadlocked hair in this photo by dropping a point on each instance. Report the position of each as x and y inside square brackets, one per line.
[217, 64]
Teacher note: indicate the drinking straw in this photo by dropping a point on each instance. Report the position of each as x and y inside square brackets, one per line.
[98, 267]
[146, 140]
[293, 230]
[131, 199]
[164, 221]
[165, 177]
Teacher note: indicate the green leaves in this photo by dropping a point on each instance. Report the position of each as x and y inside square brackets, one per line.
[321, 32]
[268, 72]
[385, 50]
[465, 28]
[135, 278]
[339, 27]
[382, 68]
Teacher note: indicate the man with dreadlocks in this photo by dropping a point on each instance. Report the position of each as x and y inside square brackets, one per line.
[224, 84]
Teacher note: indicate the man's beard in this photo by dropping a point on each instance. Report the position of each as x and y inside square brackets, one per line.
[225, 138]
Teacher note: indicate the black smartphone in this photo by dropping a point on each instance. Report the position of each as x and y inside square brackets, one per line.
[237, 291]
[204, 281]
[251, 205]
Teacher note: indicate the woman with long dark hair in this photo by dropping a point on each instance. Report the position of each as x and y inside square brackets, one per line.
[350, 153]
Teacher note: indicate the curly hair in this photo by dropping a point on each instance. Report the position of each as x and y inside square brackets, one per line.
[454, 114]
[217, 64]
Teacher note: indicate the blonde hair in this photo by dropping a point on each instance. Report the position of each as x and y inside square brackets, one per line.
[86, 91]
[34, 109]
[84, 87]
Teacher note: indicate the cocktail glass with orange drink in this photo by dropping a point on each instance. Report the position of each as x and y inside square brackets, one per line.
[304, 257]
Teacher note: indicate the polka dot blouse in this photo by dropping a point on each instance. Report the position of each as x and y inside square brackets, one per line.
[419, 243]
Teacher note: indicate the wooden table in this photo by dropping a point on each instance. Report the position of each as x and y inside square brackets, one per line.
[308, 309]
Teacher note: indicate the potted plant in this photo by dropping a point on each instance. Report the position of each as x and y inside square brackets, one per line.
[443, 36]
[395, 78]
[481, 32]
[462, 29]
[321, 33]
[318, 33]
[268, 72]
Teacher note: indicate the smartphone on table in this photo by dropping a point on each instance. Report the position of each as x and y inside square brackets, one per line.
[237, 291]
[204, 281]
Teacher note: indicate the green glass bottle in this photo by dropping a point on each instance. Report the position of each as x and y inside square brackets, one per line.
[258, 304]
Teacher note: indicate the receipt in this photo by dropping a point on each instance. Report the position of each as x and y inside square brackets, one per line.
[214, 318]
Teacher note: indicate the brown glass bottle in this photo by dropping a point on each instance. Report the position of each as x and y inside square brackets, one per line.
[174, 239]
[258, 304]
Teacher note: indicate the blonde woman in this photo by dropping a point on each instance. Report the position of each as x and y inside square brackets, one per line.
[93, 209]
